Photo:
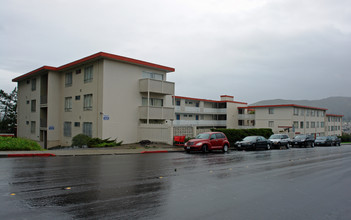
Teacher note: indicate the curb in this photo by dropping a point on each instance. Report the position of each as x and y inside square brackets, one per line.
[154, 151]
[30, 155]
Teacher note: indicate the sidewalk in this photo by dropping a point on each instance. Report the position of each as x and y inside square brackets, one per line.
[119, 150]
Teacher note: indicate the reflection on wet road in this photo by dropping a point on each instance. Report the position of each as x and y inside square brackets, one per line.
[278, 184]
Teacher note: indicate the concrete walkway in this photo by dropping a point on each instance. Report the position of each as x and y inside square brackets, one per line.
[120, 150]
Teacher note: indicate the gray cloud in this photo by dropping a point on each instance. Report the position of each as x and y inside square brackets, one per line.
[253, 50]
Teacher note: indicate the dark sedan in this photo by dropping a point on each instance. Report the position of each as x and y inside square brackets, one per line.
[323, 141]
[253, 143]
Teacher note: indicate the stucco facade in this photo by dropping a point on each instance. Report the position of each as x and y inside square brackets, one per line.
[103, 95]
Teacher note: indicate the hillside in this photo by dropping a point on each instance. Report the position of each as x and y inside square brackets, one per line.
[335, 105]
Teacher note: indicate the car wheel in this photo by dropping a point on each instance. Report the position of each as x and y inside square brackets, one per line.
[287, 146]
[187, 151]
[268, 147]
[204, 148]
[253, 146]
[312, 144]
[225, 148]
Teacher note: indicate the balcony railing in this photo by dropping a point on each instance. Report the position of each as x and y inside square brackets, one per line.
[209, 123]
[156, 86]
[157, 113]
[178, 109]
[43, 99]
[246, 116]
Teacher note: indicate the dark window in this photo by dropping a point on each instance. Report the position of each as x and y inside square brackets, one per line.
[78, 71]
[178, 103]
[77, 97]
[34, 84]
[178, 117]
[33, 106]
[76, 124]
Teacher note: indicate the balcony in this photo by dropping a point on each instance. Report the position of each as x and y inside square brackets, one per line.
[156, 86]
[207, 123]
[157, 113]
[246, 117]
[179, 109]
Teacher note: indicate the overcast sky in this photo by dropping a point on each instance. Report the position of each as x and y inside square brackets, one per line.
[251, 49]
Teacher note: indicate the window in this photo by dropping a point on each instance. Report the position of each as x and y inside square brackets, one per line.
[76, 124]
[322, 113]
[317, 113]
[68, 79]
[88, 102]
[178, 102]
[27, 102]
[67, 129]
[68, 104]
[77, 97]
[88, 74]
[87, 128]
[322, 124]
[240, 122]
[33, 106]
[296, 124]
[308, 112]
[296, 111]
[78, 71]
[197, 104]
[150, 75]
[312, 113]
[313, 124]
[34, 84]
[197, 117]
[271, 124]
[307, 124]
[178, 117]
[153, 102]
[317, 124]
[301, 124]
[302, 112]
[270, 111]
[32, 127]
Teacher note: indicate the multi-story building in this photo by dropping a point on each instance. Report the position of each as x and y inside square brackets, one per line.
[193, 115]
[102, 95]
[333, 124]
[293, 119]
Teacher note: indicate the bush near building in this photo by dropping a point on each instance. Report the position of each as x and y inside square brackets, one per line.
[345, 137]
[81, 140]
[235, 135]
[15, 144]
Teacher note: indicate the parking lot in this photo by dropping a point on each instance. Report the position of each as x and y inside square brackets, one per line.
[298, 183]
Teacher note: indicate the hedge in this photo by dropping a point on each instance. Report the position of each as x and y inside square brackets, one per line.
[235, 135]
[345, 137]
[14, 144]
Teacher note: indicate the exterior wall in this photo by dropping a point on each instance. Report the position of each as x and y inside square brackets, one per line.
[333, 125]
[81, 88]
[286, 116]
[24, 115]
[122, 100]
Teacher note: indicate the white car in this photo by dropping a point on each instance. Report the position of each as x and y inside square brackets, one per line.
[280, 140]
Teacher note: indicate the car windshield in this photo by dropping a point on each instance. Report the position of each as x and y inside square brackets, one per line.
[275, 136]
[300, 137]
[250, 138]
[203, 136]
[321, 138]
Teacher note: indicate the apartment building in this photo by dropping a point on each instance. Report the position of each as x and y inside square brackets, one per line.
[193, 115]
[296, 119]
[102, 95]
[333, 124]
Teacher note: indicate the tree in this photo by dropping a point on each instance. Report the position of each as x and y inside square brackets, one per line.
[8, 109]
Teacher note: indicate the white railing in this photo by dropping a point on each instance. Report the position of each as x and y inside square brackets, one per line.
[200, 123]
[246, 117]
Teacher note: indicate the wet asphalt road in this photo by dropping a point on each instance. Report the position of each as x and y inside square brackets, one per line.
[277, 184]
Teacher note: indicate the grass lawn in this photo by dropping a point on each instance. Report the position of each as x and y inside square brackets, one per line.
[17, 144]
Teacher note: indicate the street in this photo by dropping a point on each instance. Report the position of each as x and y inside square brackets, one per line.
[312, 183]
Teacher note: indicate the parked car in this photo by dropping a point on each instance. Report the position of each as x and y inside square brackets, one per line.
[323, 141]
[335, 141]
[208, 141]
[253, 143]
[303, 140]
[279, 140]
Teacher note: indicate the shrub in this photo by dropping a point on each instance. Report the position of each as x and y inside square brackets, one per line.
[345, 137]
[97, 142]
[80, 140]
[14, 144]
[235, 135]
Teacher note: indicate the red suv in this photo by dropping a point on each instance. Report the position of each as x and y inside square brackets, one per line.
[208, 141]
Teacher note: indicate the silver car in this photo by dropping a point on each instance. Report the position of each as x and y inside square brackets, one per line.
[280, 140]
